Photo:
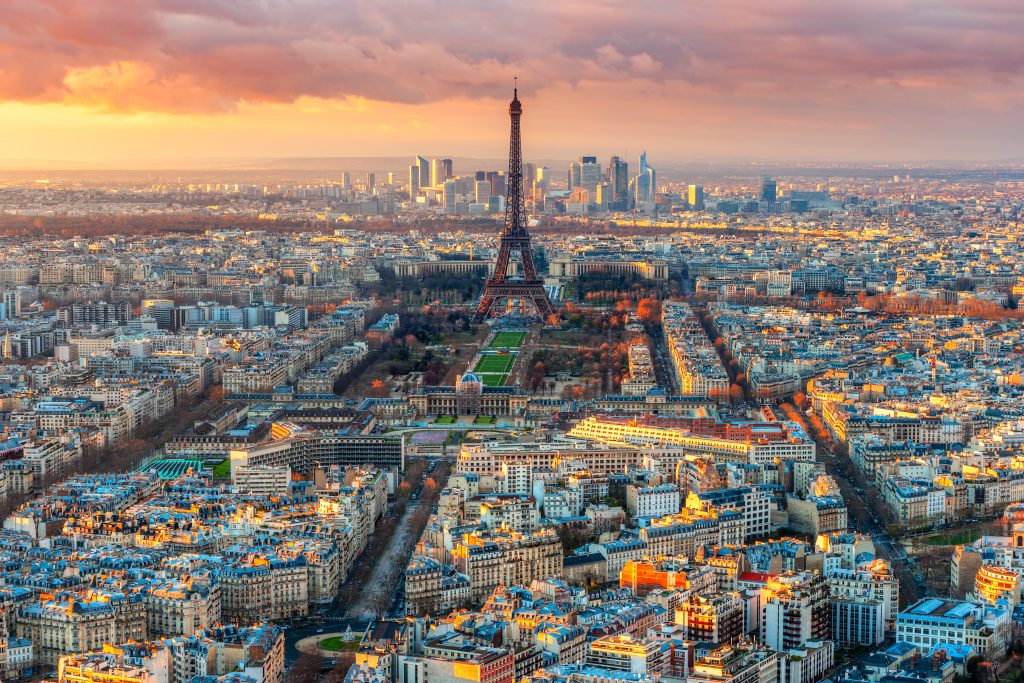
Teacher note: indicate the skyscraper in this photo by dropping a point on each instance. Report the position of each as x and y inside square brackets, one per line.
[544, 179]
[371, 181]
[440, 171]
[769, 189]
[497, 179]
[645, 185]
[529, 175]
[448, 195]
[414, 182]
[424, 172]
[573, 176]
[696, 197]
[481, 191]
[436, 173]
[618, 179]
[590, 174]
[346, 180]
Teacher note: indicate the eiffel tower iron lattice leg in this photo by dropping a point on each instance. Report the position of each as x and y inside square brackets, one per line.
[515, 238]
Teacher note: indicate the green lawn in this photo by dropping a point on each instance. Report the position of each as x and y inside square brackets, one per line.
[223, 469]
[507, 339]
[494, 379]
[445, 420]
[336, 644]
[484, 420]
[956, 536]
[495, 362]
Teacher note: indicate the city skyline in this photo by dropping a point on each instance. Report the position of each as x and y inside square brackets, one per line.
[131, 83]
[705, 365]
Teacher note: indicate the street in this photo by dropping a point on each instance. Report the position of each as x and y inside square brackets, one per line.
[865, 521]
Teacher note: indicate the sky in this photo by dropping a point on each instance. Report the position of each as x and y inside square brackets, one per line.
[128, 82]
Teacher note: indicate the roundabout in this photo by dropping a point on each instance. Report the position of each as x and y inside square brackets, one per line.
[329, 644]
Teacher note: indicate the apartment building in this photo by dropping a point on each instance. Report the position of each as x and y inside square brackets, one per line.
[57, 628]
[652, 501]
[935, 622]
[264, 589]
[506, 558]
[794, 610]
[176, 607]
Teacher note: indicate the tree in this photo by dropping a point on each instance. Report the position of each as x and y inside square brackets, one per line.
[377, 389]
[306, 669]
[648, 310]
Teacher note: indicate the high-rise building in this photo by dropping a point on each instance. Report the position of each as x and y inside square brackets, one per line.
[590, 174]
[10, 304]
[391, 179]
[618, 178]
[572, 180]
[695, 197]
[795, 609]
[436, 173]
[645, 184]
[414, 182]
[448, 195]
[481, 191]
[769, 189]
[498, 187]
[529, 175]
[440, 171]
[161, 310]
[346, 180]
[425, 179]
[544, 179]
[371, 181]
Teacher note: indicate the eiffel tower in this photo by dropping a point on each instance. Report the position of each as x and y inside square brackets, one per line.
[514, 238]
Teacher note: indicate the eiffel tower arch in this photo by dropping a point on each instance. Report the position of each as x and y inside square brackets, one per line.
[515, 239]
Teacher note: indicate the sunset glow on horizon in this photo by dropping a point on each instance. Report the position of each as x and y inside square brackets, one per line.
[181, 81]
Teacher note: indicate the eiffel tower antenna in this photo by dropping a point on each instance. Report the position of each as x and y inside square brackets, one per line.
[514, 236]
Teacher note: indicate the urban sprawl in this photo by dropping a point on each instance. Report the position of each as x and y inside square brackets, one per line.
[772, 433]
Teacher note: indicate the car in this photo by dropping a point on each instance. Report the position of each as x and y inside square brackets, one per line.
[319, 630]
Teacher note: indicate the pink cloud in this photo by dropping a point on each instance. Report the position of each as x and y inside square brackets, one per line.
[193, 55]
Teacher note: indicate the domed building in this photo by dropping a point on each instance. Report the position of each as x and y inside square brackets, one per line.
[469, 383]
[469, 396]
[468, 390]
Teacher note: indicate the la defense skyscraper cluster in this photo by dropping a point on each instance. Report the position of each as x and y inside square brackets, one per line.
[514, 238]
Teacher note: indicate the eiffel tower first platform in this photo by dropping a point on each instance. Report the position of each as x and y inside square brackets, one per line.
[514, 238]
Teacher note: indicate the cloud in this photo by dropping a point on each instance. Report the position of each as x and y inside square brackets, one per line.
[213, 55]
